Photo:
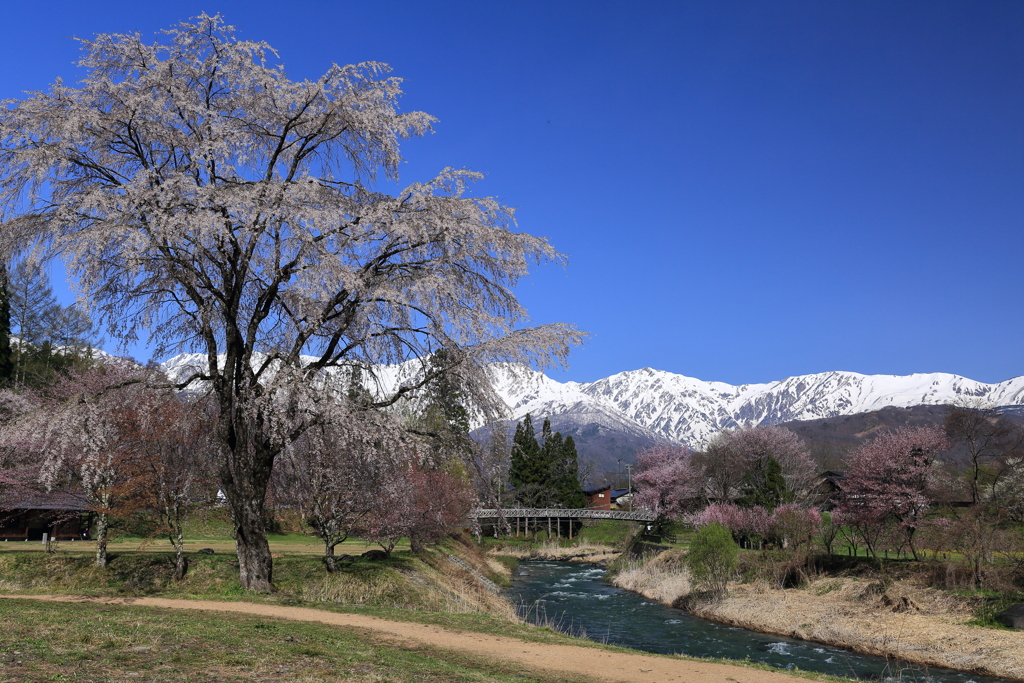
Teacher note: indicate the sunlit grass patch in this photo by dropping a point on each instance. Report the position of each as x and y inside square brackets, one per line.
[106, 642]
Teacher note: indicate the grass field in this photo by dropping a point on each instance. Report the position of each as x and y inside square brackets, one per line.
[94, 642]
[290, 543]
[85, 642]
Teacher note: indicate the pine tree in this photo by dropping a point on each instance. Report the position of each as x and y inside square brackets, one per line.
[33, 309]
[570, 493]
[764, 485]
[524, 474]
[444, 417]
[545, 474]
[6, 364]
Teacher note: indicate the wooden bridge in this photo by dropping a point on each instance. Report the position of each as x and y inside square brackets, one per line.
[526, 518]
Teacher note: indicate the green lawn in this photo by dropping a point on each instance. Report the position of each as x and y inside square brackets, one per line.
[288, 543]
[86, 642]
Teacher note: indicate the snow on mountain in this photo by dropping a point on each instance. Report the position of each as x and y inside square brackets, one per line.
[686, 410]
[653, 405]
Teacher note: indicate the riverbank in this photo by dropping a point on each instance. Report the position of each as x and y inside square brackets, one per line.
[920, 625]
[593, 553]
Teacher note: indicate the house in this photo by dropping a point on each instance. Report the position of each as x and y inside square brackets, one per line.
[598, 496]
[827, 487]
[622, 498]
[27, 516]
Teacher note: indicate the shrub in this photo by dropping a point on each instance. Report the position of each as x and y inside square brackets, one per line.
[712, 558]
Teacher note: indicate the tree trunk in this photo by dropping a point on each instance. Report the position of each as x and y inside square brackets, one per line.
[101, 539]
[245, 467]
[180, 561]
[329, 560]
[416, 544]
[255, 565]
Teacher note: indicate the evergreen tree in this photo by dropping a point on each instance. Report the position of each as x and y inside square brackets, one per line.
[545, 474]
[444, 417]
[764, 485]
[33, 308]
[6, 363]
[526, 474]
[570, 492]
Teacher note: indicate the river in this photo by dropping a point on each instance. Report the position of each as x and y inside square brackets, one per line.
[574, 598]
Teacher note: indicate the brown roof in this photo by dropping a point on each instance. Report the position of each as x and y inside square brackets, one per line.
[32, 500]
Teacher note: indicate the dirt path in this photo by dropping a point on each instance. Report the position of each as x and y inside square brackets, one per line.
[591, 662]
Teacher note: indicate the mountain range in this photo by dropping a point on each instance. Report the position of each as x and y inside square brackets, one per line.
[614, 417]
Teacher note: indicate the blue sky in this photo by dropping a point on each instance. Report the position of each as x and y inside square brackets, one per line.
[746, 191]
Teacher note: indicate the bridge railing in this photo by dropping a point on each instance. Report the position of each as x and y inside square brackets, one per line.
[562, 513]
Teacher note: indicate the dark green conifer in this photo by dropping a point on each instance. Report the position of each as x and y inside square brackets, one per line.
[570, 493]
[524, 474]
[6, 364]
[764, 485]
[545, 474]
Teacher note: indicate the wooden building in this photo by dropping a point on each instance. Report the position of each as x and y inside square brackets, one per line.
[27, 516]
[599, 497]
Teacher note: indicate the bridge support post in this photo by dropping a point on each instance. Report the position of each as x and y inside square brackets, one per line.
[549, 528]
[570, 528]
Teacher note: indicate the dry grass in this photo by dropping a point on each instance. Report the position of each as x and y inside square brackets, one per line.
[662, 578]
[932, 630]
[432, 583]
[928, 627]
[552, 550]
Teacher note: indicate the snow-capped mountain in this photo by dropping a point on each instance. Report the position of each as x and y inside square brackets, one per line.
[643, 406]
[665, 406]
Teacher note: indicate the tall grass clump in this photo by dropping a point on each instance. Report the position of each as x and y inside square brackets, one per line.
[712, 559]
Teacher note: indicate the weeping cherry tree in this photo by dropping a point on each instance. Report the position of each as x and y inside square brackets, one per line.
[201, 197]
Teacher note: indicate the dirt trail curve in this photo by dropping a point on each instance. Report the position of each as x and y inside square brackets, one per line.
[591, 662]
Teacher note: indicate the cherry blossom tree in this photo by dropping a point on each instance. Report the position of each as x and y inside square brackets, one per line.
[17, 475]
[790, 525]
[337, 472]
[203, 198]
[734, 459]
[889, 480]
[667, 482]
[988, 438]
[84, 430]
[749, 525]
[441, 500]
[417, 502]
[172, 471]
[794, 526]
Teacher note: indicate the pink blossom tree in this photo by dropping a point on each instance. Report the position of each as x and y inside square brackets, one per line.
[172, 471]
[750, 526]
[730, 461]
[667, 482]
[417, 502]
[790, 525]
[794, 526]
[203, 198]
[84, 429]
[889, 481]
[338, 472]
